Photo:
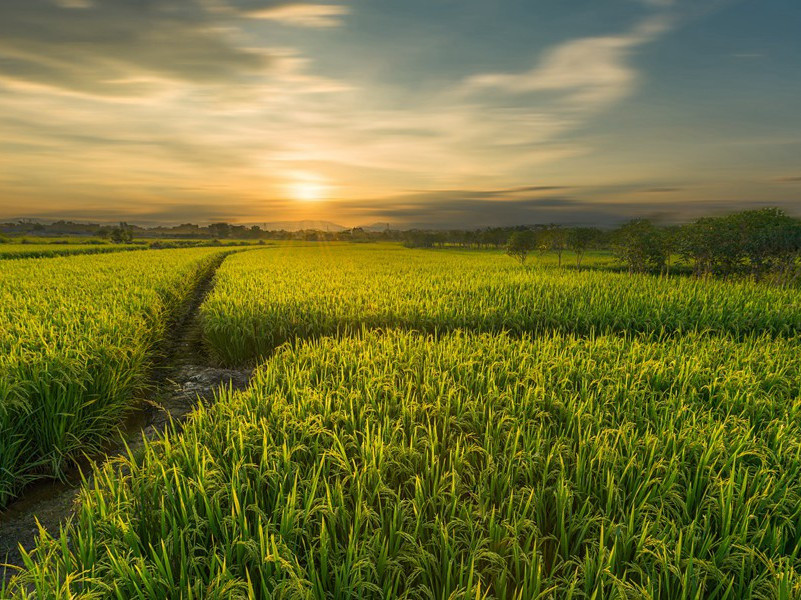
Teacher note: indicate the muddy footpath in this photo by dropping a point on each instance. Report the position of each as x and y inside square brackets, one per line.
[182, 377]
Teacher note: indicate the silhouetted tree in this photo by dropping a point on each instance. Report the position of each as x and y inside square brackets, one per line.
[552, 239]
[520, 244]
[122, 234]
[639, 244]
[220, 230]
[581, 239]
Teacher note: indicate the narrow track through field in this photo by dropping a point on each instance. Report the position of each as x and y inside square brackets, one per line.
[181, 377]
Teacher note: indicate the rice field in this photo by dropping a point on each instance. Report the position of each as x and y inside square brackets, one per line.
[9, 251]
[445, 425]
[261, 300]
[76, 337]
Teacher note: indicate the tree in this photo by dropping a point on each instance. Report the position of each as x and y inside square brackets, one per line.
[220, 230]
[711, 244]
[519, 245]
[754, 242]
[769, 239]
[122, 234]
[671, 236]
[581, 239]
[552, 239]
[640, 245]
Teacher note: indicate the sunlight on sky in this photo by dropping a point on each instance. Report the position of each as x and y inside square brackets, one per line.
[465, 113]
[307, 187]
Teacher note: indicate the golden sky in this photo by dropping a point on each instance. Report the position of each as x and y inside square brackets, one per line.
[422, 112]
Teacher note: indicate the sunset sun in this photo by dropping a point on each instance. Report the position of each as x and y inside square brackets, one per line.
[308, 188]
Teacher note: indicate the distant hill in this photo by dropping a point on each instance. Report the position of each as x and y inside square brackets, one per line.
[301, 225]
[378, 227]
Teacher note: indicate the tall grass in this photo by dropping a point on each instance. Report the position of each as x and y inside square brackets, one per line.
[262, 300]
[76, 336]
[8, 251]
[397, 465]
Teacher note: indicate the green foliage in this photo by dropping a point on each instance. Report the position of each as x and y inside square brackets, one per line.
[263, 299]
[219, 230]
[758, 242]
[472, 466]
[520, 244]
[8, 251]
[76, 336]
[552, 238]
[581, 239]
[122, 234]
[640, 245]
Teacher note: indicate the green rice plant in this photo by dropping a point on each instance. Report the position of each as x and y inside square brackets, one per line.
[262, 300]
[8, 251]
[399, 465]
[76, 339]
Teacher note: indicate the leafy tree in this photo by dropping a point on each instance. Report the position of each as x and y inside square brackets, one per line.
[755, 242]
[581, 239]
[122, 234]
[553, 239]
[220, 230]
[520, 244]
[640, 245]
[769, 239]
[710, 246]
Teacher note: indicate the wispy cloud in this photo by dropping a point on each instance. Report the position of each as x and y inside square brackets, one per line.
[303, 15]
[588, 73]
[119, 47]
[130, 48]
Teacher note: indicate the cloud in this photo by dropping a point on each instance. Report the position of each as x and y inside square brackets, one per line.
[793, 179]
[303, 15]
[588, 73]
[74, 3]
[128, 48]
[479, 208]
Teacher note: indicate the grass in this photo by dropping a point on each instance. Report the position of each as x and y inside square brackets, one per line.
[262, 300]
[17, 251]
[76, 339]
[447, 425]
[396, 465]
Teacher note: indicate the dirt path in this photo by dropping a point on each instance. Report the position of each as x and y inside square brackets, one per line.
[181, 377]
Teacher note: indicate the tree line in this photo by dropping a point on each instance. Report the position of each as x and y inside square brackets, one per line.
[759, 243]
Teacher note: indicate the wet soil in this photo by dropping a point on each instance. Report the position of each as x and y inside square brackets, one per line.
[182, 377]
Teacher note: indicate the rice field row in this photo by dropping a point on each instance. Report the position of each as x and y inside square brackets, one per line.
[399, 465]
[9, 251]
[76, 337]
[262, 300]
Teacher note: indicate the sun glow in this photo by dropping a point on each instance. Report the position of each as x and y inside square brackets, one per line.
[307, 187]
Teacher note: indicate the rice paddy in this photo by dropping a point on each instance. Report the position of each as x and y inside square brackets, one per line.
[9, 251]
[443, 425]
[261, 300]
[76, 338]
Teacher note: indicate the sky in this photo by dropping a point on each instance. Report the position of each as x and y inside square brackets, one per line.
[442, 113]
